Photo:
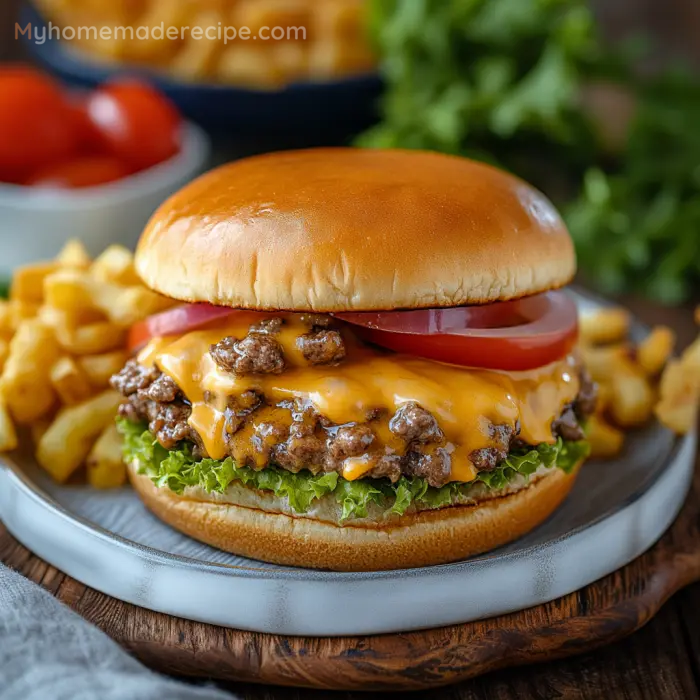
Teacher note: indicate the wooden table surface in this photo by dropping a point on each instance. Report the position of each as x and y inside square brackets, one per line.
[659, 662]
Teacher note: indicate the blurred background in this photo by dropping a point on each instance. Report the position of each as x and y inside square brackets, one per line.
[597, 103]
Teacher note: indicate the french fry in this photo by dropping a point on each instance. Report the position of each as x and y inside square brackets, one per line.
[115, 264]
[62, 337]
[69, 318]
[25, 381]
[604, 363]
[679, 392]
[69, 290]
[196, 59]
[92, 339]
[73, 254]
[8, 434]
[4, 352]
[132, 304]
[609, 325]
[6, 319]
[678, 416]
[75, 292]
[105, 466]
[174, 13]
[653, 352]
[69, 439]
[70, 382]
[22, 311]
[632, 400]
[99, 368]
[606, 441]
[28, 282]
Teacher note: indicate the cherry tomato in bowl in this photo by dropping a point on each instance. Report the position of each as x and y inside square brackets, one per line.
[137, 123]
[90, 141]
[86, 171]
[36, 124]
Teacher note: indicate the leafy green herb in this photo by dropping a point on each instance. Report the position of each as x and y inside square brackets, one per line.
[178, 469]
[510, 82]
[636, 227]
[477, 77]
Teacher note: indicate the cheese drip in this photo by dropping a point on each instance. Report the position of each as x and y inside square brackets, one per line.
[465, 402]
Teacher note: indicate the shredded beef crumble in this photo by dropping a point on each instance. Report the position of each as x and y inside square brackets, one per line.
[585, 403]
[154, 397]
[238, 409]
[257, 353]
[488, 458]
[434, 467]
[322, 347]
[134, 377]
[268, 325]
[162, 390]
[316, 321]
[414, 424]
[351, 441]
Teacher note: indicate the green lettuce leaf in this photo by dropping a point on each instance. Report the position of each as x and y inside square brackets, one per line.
[178, 469]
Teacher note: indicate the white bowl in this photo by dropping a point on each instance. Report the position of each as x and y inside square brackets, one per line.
[36, 222]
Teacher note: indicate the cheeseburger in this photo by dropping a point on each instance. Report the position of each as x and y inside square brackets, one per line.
[371, 365]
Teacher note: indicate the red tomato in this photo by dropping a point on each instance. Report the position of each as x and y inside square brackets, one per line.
[36, 127]
[138, 124]
[512, 335]
[86, 171]
[90, 140]
[175, 321]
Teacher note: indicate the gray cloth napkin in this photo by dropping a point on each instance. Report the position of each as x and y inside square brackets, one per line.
[48, 652]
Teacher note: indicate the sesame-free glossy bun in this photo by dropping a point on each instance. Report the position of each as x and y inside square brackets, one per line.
[252, 525]
[349, 229]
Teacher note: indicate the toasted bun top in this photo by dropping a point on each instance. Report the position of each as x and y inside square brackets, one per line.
[348, 229]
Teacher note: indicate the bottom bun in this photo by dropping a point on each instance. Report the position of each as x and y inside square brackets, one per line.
[419, 539]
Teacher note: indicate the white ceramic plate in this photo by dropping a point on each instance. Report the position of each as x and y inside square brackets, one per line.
[109, 541]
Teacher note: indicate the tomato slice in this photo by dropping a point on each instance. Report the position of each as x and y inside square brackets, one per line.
[511, 335]
[176, 321]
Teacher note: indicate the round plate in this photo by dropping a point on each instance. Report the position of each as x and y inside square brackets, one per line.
[109, 541]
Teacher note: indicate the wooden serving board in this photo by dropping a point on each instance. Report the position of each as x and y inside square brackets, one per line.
[601, 613]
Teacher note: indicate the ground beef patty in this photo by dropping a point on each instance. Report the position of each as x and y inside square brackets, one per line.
[299, 438]
[155, 398]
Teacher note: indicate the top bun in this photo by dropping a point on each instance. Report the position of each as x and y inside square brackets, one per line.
[346, 229]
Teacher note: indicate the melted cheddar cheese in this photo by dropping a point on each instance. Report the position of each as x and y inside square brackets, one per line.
[465, 402]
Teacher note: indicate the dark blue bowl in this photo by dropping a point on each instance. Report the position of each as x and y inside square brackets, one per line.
[308, 112]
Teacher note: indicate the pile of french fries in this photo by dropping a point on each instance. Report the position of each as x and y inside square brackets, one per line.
[320, 39]
[636, 382]
[62, 336]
